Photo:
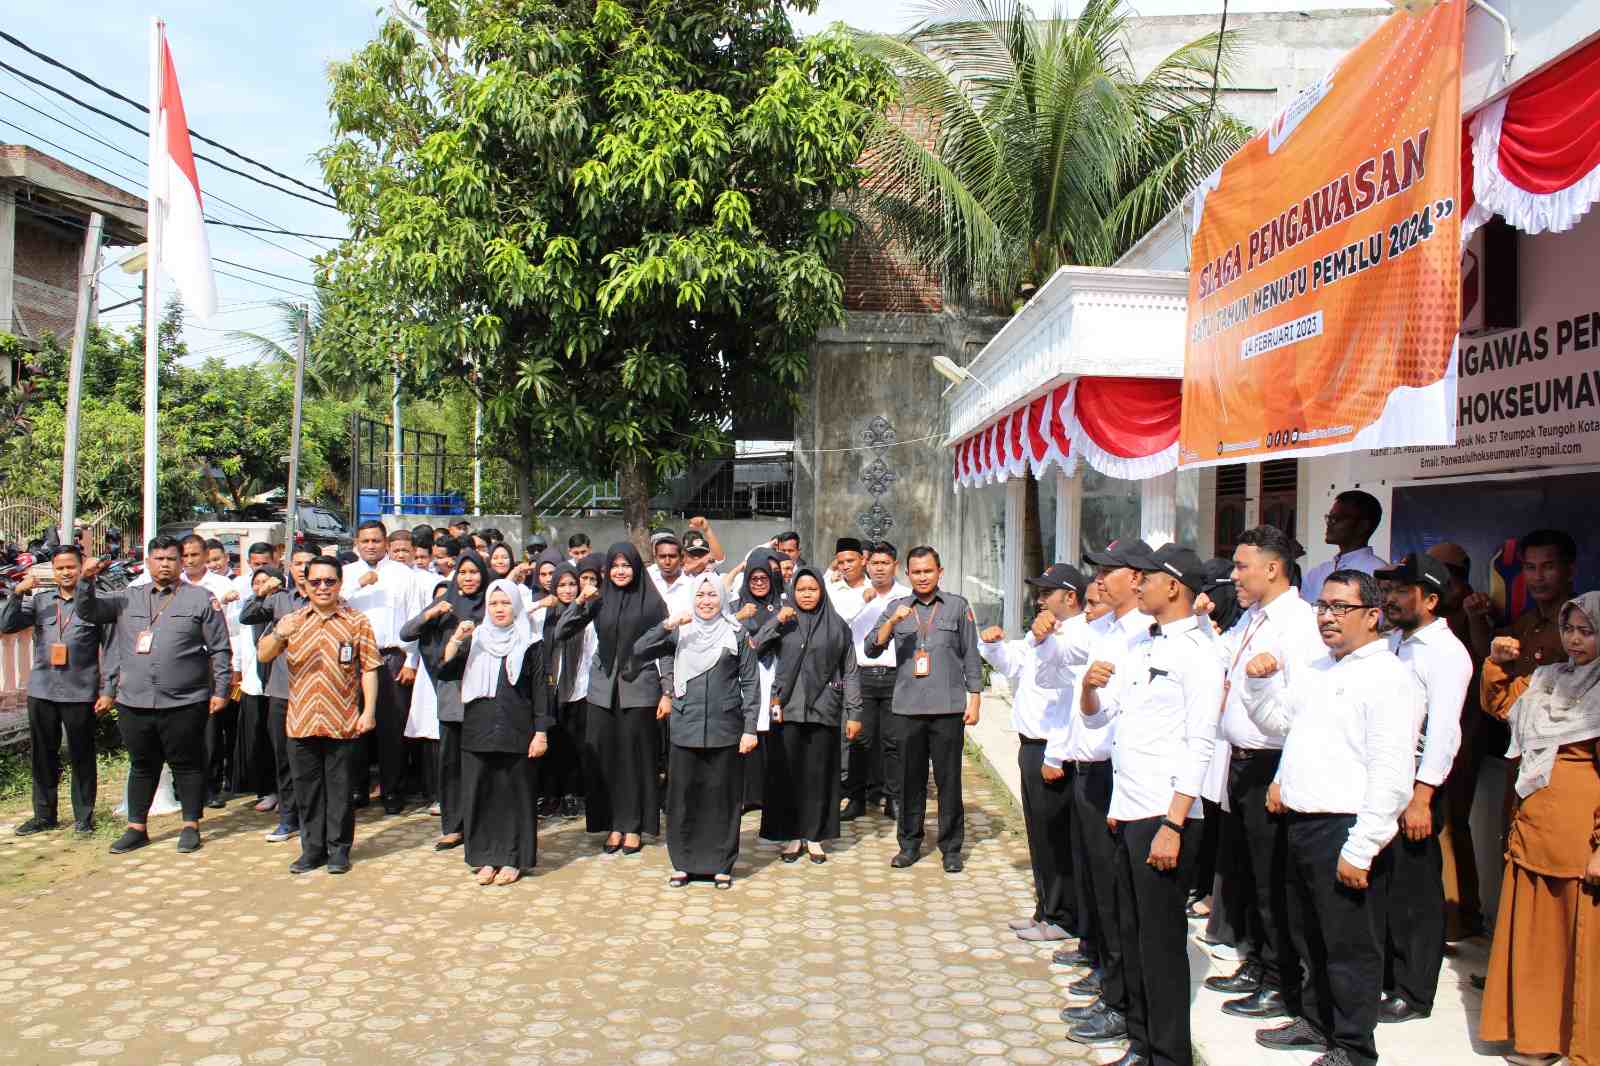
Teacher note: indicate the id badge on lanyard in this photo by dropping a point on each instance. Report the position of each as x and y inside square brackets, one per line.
[922, 663]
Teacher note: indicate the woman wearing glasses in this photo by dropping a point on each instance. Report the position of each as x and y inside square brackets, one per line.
[1543, 993]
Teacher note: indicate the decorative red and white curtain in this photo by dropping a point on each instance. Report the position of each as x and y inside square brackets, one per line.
[1533, 156]
[1123, 427]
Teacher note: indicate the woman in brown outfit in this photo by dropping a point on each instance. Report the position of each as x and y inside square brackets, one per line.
[1543, 991]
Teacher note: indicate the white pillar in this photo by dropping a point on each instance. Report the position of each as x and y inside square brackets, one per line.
[8, 254]
[1069, 517]
[1011, 559]
[1252, 495]
[1158, 509]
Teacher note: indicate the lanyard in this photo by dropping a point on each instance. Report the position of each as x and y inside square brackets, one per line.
[60, 629]
[1250, 632]
[924, 630]
[156, 617]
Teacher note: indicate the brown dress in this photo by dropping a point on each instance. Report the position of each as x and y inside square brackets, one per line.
[1543, 990]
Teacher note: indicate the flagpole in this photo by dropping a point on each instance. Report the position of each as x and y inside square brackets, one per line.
[152, 303]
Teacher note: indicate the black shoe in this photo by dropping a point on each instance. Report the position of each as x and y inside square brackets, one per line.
[130, 840]
[1262, 1003]
[1242, 982]
[1131, 1058]
[1337, 1057]
[338, 864]
[633, 849]
[216, 803]
[396, 807]
[35, 825]
[549, 807]
[359, 800]
[1074, 956]
[1297, 1035]
[570, 807]
[84, 828]
[953, 863]
[903, 859]
[853, 810]
[306, 863]
[1105, 1027]
[188, 839]
[1074, 1015]
[1088, 985]
[1400, 1009]
[610, 848]
[891, 809]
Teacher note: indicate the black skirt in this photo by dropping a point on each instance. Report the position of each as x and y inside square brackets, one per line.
[623, 794]
[704, 790]
[802, 786]
[497, 809]
[755, 774]
[252, 756]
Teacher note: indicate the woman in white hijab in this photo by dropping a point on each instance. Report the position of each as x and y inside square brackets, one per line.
[504, 724]
[713, 725]
[1543, 990]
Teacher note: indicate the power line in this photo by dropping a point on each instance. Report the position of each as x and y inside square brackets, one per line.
[268, 273]
[260, 284]
[146, 110]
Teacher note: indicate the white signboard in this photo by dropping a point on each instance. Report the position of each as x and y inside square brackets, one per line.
[1527, 398]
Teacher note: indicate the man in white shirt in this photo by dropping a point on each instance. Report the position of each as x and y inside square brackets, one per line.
[1412, 884]
[382, 590]
[849, 592]
[254, 745]
[222, 727]
[676, 587]
[1351, 724]
[1283, 625]
[872, 757]
[1112, 636]
[1042, 709]
[1165, 700]
[1350, 523]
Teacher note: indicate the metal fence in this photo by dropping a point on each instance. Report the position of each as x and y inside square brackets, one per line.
[746, 486]
[26, 518]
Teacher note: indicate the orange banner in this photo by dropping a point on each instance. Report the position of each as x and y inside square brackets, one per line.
[1324, 280]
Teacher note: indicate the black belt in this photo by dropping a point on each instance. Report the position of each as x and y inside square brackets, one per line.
[390, 650]
[1030, 741]
[878, 671]
[1243, 754]
[1089, 764]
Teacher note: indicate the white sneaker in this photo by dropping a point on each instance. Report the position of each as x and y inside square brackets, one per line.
[1226, 953]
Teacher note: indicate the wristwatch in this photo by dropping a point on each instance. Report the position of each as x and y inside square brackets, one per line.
[1174, 826]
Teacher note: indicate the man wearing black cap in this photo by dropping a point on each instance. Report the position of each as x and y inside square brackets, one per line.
[1165, 702]
[702, 551]
[1042, 709]
[1411, 886]
[938, 687]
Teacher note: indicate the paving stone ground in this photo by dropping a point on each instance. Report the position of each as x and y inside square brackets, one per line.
[223, 958]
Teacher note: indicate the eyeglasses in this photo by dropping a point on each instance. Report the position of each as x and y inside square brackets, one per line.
[322, 582]
[1338, 610]
[1577, 631]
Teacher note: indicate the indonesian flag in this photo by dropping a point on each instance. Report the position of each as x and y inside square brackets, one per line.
[182, 249]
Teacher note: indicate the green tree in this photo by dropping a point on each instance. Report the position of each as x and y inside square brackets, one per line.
[615, 219]
[1048, 149]
[328, 374]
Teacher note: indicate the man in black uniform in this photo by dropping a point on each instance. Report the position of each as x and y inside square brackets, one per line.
[65, 690]
[938, 682]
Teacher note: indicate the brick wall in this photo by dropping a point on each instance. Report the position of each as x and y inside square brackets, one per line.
[879, 278]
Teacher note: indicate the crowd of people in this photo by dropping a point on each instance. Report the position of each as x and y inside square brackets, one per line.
[1289, 758]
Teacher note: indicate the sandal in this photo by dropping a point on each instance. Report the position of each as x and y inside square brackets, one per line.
[724, 882]
[508, 875]
[446, 843]
[678, 879]
[818, 856]
[486, 875]
[792, 856]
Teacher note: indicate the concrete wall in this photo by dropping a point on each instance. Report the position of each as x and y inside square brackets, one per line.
[737, 536]
[870, 459]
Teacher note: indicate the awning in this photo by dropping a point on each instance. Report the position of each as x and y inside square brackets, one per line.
[1123, 427]
[1090, 369]
[1533, 156]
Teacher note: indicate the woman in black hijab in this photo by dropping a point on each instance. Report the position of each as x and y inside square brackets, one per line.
[627, 693]
[543, 579]
[561, 783]
[462, 602]
[816, 689]
[761, 599]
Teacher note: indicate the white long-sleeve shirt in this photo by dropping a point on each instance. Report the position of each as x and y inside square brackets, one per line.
[1363, 559]
[1071, 652]
[864, 616]
[1039, 711]
[1352, 726]
[1444, 669]
[384, 602]
[1286, 629]
[1165, 698]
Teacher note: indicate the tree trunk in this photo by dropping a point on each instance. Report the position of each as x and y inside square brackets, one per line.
[524, 479]
[634, 482]
[1033, 560]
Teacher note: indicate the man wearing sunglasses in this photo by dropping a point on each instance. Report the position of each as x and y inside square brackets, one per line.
[1351, 721]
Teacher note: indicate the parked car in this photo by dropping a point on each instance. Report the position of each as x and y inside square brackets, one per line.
[318, 523]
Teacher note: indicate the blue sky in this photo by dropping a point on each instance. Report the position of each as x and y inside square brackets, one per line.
[253, 76]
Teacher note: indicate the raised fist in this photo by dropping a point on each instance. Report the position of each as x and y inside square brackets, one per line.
[1262, 665]
[786, 614]
[1505, 650]
[464, 631]
[747, 612]
[1099, 675]
[901, 613]
[697, 522]
[992, 635]
[368, 579]
[1044, 623]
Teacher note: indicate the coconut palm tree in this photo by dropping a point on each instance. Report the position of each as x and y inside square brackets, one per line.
[1044, 147]
[327, 376]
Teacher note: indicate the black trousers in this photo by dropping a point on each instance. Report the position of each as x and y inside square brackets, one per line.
[172, 735]
[1155, 941]
[386, 744]
[253, 748]
[221, 736]
[47, 719]
[1409, 887]
[1047, 816]
[932, 739]
[1097, 877]
[277, 730]
[1339, 932]
[1267, 937]
[449, 778]
[872, 759]
[322, 774]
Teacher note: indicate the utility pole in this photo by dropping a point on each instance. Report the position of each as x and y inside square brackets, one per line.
[477, 456]
[152, 304]
[292, 504]
[88, 275]
[397, 471]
